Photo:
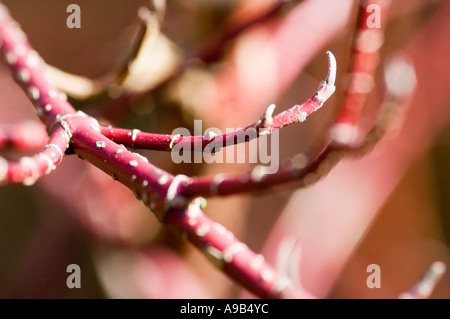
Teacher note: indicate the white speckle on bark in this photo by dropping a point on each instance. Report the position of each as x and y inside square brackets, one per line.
[163, 179]
[100, 144]
[33, 59]
[31, 163]
[280, 285]
[302, 116]
[256, 262]
[52, 93]
[95, 125]
[134, 134]
[299, 161]
[11, 58]
[202, 230]
[133, 163]
[141, 157]
[267, 275]
[217, 180]
[258, 173]
[33, 93]
[230, 252]
[193, 212]
[66, 128]
[210, 136]
[23, 75]
[20, 49]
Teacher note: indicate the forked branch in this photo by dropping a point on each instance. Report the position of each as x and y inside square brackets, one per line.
[157, 188]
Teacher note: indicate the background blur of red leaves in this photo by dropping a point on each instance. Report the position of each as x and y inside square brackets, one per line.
[389, 208]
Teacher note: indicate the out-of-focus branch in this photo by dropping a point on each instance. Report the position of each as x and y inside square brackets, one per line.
[29, 169]
[368, 40]
[18, 136]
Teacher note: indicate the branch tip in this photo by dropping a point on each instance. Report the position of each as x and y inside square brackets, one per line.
[327, 87]
[269, 111]
[332, 69]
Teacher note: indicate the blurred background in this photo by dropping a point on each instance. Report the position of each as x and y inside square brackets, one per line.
[389, 208]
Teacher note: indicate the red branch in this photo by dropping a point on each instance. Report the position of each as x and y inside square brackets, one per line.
[365, 56]
[296, 114]
[18, 136]
[157, 188]
[28, 169]
[176, 200]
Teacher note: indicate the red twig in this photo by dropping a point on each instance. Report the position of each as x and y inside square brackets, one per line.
[176, 199]
[368, 40]
[157, 188]
[230, 255]
[28, 169]
[166, 142]
[18, 136]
